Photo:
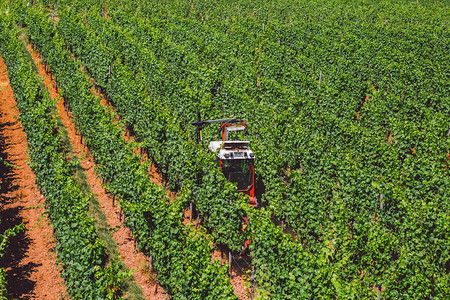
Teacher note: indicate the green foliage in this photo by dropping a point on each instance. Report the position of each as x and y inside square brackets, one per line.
[6, 235]
[106, 45]
[4, 241]
[181, 256]
[3, 290]
[6, 164]
[79, 250]
[112, 279]
[348, 116]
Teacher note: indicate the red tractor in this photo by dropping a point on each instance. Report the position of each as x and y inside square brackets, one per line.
[235, 158]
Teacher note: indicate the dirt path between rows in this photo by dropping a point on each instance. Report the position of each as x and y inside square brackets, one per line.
[130, 256]
[30, 261]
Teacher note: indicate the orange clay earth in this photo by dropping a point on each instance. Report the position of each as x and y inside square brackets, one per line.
[30, 261]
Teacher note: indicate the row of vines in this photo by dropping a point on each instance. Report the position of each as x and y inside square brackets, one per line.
[82, 255]
[5, 237]
[8, 234]
[181, 255]
[348, 117]
[171, 147]
[360, 127]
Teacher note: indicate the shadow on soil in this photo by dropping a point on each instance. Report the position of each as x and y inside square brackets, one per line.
[18, 284]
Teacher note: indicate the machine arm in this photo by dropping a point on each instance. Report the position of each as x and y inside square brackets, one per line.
[199, 123]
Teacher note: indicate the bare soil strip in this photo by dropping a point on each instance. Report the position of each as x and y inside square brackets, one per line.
[30, 261]
[130, 256]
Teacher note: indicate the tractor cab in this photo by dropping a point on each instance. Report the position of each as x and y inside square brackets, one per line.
[236, 161]
[235, 158]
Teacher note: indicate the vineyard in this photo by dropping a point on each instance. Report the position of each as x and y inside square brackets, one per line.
[348, 113]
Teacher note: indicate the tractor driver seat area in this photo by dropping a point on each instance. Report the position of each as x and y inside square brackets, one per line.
[238, 171]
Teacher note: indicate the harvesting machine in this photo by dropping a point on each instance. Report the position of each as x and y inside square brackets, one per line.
[235, 158]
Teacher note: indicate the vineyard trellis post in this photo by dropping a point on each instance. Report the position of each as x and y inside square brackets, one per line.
[150, 260]
[156, 285]
[252, 282]
[381, 201]
[230, 260]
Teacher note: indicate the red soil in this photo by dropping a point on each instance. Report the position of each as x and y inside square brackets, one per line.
[130, 256]
[30, 262]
